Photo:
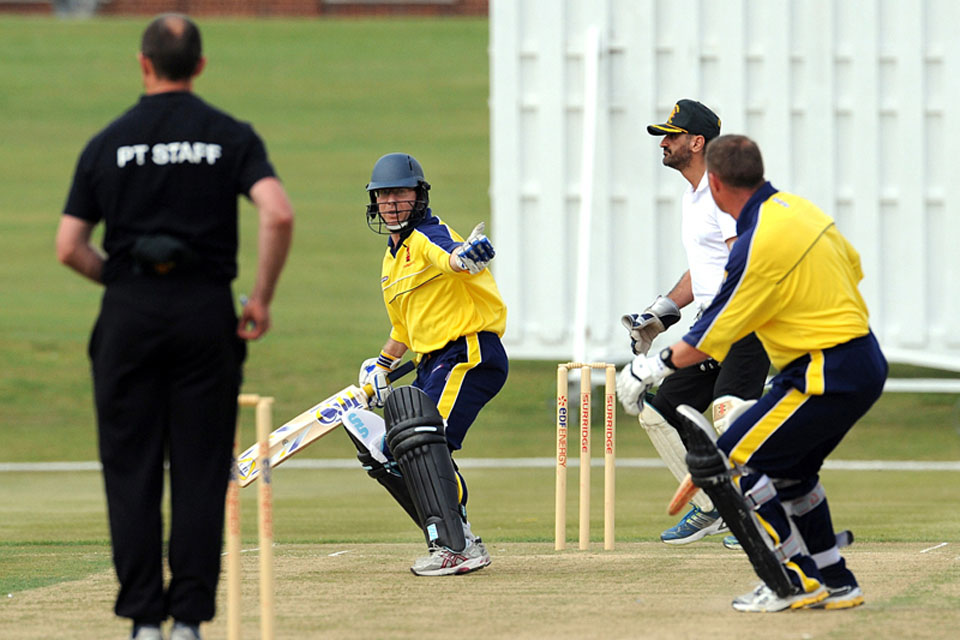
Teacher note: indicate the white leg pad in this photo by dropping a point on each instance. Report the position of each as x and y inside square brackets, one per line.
[726, 409]
[668, 444]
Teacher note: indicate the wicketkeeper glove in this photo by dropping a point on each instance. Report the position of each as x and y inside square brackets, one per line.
[654, 320]
[476, 252]
[639, 376]
[374, 372]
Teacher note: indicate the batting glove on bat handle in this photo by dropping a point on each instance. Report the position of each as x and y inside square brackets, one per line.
[638, 377]
[372, 385]
[374, 377]
[379, 387]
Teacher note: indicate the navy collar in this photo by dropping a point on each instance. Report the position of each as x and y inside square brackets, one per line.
[748, 215]
[429, 218]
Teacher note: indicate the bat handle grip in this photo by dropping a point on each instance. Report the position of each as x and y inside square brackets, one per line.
[401, 371]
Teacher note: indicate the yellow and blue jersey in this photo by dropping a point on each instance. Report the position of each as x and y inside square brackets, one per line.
[429, 303]
[791, 277]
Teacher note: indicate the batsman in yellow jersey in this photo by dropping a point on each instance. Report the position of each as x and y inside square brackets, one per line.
[443, 304]
[793, 279]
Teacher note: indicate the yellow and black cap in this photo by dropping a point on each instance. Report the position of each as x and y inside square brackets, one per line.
[689, 116]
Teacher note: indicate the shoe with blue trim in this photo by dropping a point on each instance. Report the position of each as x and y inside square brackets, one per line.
[695, 525]
[731, 542]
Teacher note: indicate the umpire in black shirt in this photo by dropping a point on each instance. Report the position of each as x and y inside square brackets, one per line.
[167, 349]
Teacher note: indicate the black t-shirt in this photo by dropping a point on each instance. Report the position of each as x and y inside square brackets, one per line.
[170, 165]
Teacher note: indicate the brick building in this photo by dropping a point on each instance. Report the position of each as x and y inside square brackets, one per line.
[303, 8]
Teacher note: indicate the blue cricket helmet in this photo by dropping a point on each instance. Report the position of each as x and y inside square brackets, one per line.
[397, 171]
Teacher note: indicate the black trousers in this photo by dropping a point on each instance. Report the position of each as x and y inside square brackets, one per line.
[166, 370]
[742, 374]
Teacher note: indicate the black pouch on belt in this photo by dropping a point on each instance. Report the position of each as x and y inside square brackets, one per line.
[161, 254]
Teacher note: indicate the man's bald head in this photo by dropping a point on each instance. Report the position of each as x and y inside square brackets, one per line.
[735, 160]
[172, 43]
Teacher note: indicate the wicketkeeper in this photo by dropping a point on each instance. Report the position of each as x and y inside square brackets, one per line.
[444, 304]
[707, 234]
[792, 278]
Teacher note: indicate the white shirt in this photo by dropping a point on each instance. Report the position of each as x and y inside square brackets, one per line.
[705, 230]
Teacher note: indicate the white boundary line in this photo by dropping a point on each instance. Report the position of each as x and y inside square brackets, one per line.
[520, 463]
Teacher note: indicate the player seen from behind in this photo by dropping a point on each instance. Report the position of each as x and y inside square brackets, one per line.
[793, 278]
[167, 349]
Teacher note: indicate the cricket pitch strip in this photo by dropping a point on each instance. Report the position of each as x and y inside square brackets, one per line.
[640, 590]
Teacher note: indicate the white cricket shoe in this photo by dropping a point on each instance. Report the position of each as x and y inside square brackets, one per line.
[146, 632]
[184, 631]
[845, 597]
[763, 599]
[442, 561]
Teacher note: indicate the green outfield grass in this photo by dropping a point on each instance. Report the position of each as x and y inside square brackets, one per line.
[329, 97]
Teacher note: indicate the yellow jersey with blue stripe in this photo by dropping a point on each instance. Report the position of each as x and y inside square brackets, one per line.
[429, 303]
[791, 277]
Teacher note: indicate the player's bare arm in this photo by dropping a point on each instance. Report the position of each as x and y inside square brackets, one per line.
[394, 348]
[75, 251]
[274, 238]
[682, 292]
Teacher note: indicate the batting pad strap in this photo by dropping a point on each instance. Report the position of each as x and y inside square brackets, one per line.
[827, 558]
[844, 538]
[805, 503]
[788, 548]
[760, 493]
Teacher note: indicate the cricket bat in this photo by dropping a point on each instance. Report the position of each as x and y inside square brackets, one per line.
[684, 494]
[309, 426]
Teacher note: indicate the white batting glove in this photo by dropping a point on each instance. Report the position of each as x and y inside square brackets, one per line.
[638, 377]
[476, 252]
[653, 321]
[374, 372]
